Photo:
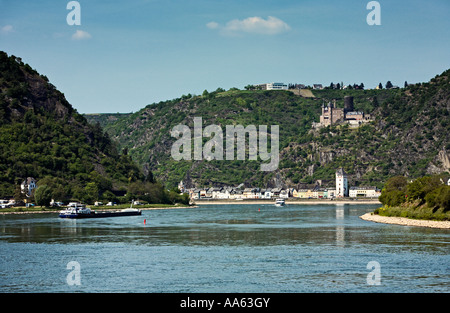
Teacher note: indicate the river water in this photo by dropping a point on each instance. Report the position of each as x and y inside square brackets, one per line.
[223, 248]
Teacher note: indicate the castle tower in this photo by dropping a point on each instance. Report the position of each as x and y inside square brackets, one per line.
[348, 104]
[341, 183]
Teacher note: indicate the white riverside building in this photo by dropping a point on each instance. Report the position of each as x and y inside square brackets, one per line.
[341, 183]
[369, 192]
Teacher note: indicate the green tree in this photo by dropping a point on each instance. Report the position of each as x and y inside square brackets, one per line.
[57, 186]
[439, 197]
[393, 193]
[91, 193]
[392, 198]
[18, 195]
[109, 196]
[418, 189]
[150, 178]
[396, 183]
[43, 195]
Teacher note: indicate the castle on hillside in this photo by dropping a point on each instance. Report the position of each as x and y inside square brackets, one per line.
[332, 115]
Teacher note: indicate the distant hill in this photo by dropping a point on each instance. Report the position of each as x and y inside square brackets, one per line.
[104, 119]
[409, 135]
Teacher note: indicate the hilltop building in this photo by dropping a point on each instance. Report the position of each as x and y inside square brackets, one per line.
[341, 184]
[272, 86]
[331, 115]
[317, 86]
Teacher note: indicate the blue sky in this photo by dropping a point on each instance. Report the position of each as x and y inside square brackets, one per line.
[127, 54]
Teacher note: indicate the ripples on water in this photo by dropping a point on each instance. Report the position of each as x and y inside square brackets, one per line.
[236, 248]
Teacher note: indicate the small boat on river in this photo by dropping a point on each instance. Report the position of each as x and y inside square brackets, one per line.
[77, 210]
[279, 202]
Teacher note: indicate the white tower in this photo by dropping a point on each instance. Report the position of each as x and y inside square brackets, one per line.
[341, 183]
[181, 187]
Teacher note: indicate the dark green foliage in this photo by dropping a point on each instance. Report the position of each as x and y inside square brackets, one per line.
[428, 190]
[42, 136]
[155, 193]
[43, 195]
[439, 197]
[418, 189]
[392, 198]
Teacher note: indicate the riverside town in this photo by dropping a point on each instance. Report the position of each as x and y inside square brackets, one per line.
[340, 190]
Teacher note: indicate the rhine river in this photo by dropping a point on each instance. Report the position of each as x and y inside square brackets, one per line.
[223, 249]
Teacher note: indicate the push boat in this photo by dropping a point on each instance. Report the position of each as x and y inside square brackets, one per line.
[77, 210]
[279, 202]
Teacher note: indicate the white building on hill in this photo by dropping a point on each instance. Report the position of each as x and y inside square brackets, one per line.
[273, 86]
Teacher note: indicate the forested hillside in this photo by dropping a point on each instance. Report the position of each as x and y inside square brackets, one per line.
[409, 135]
[44, 137]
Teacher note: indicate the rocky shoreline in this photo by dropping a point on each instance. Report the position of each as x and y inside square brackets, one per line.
[405, 221]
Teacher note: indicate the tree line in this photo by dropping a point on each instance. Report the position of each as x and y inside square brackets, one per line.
[430, 191]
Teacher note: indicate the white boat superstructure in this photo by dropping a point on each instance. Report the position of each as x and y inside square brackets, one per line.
[279, 202]
[76, 208]
[130, 210]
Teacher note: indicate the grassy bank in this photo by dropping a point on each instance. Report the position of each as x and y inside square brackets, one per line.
[33, 209]
[43, 209]
[414, 212]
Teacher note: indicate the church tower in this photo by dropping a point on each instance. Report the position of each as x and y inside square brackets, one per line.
[341, 183]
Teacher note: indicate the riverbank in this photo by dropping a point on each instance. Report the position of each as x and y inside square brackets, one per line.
[289, 201]
[23, 210]
[35, 210]
[405, 221]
